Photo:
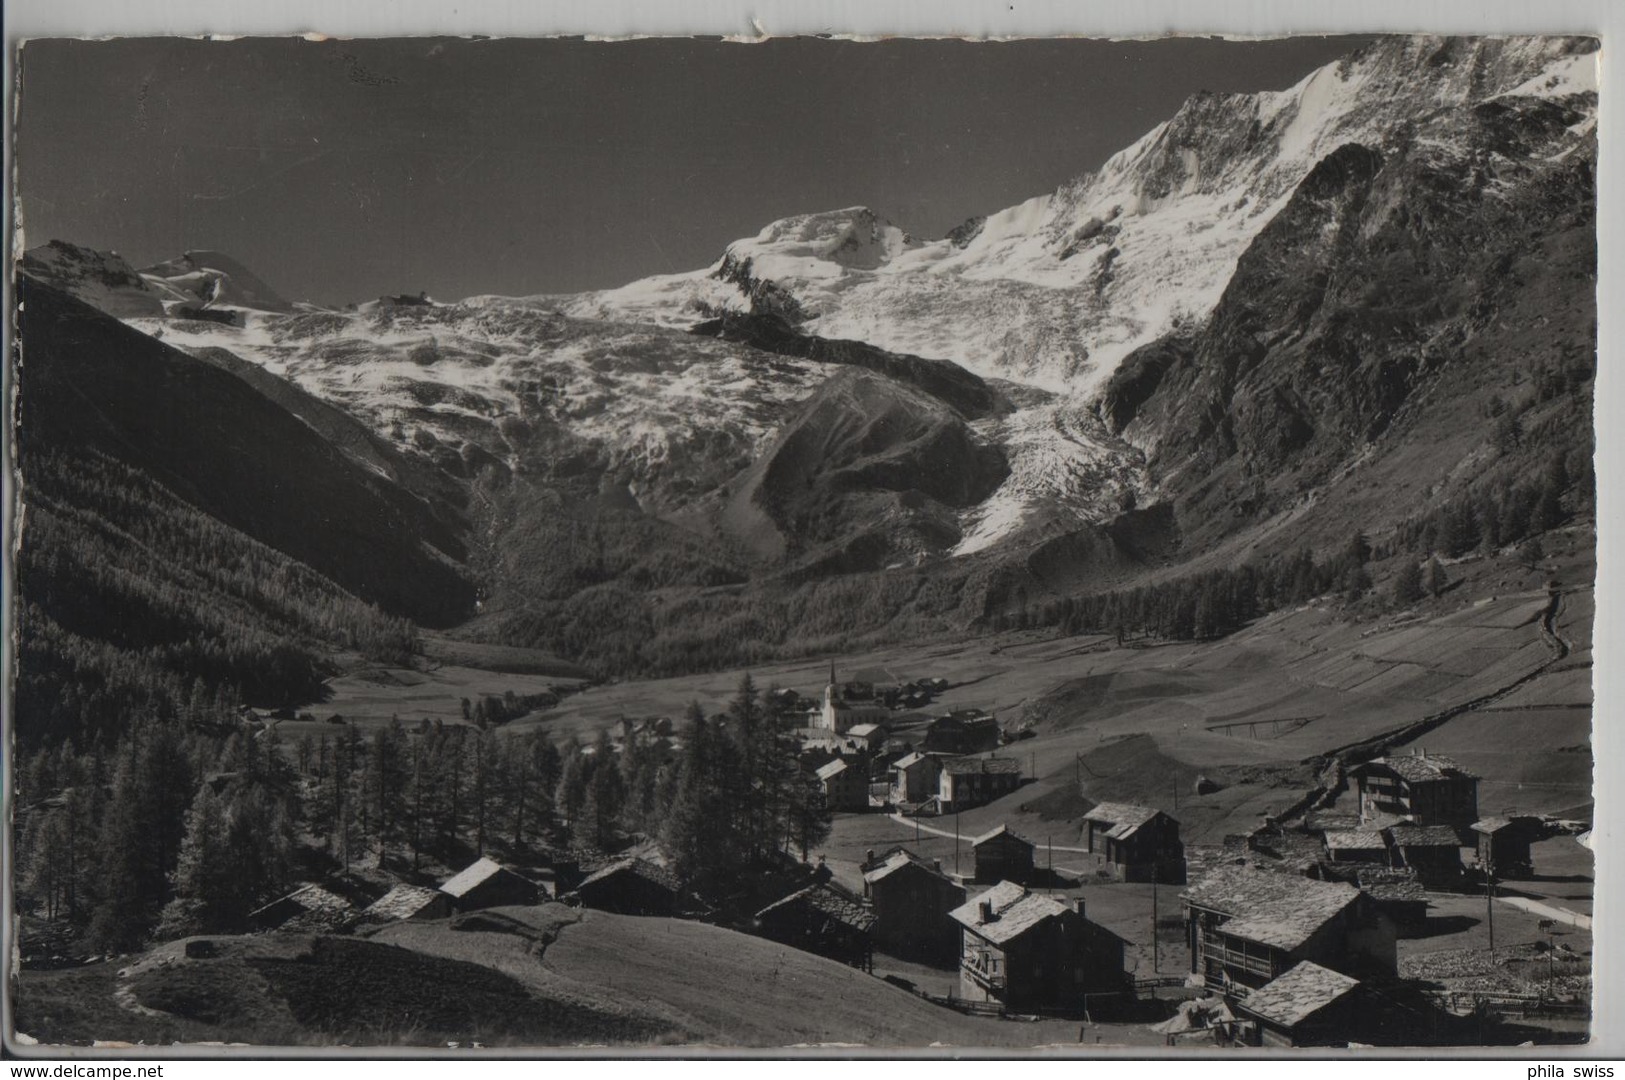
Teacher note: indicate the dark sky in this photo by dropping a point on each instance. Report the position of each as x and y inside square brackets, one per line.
[339, 170]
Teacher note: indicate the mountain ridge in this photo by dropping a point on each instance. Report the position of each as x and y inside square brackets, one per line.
[1287, 277]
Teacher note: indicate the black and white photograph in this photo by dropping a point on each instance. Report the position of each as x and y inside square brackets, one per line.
[1072, 545]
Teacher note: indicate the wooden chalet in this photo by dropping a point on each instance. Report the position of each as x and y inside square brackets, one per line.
[1357, 846]
[1433, 851]
[1421, 788]
[911, 899]
[965, 782]
[1307, 1006]
[870, 737]
[1140, 843]
[1028, 951]
[845, 785]
[1398, 892]
[630, 887]
[825, 919]
[486, 883]
[1246, 927]
[963, 731]
[914, 778]
[1001, 855]
[1502, 844]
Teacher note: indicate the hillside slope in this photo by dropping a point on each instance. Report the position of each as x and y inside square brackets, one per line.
[89, 382]
[1400, 321]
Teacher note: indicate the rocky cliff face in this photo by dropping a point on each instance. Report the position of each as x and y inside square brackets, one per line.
[1393, 270]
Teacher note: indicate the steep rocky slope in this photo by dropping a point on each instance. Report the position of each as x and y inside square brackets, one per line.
[1403, 286]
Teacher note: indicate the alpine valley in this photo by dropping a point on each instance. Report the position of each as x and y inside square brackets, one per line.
[1364, 305]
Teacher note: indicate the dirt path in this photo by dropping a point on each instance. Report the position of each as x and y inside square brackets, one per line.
[1548, 911]
[913, 823]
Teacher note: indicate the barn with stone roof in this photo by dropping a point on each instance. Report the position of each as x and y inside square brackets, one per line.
[1433, 851]
[1246, 927]
[1028, 951]
[630, 887]
[408, 902]
[487, 883]
[1357, 845]
[824, 919]
[307, 908]
[1308, 1006]
[1503, 843]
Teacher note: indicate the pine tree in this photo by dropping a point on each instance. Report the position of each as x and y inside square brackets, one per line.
[1358, 552]
[204, 883]
[687, 836]
[1408, 583]
[1356, 582]
[572, 788]
[809, 822]
[1549, 511]
[1434, 578]
[603, 799]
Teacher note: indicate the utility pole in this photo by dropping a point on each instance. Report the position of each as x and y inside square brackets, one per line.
[956, 837]
[1049, 842]
[1489, 902]
[1155, 957]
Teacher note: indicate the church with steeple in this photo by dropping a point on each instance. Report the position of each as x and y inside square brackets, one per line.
[840, 715]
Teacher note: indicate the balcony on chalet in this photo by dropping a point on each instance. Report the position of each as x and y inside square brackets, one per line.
[1238, 958]
[985, 966]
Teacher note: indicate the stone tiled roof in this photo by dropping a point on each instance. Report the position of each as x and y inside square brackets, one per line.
[401, 902]
[1418, 769]
[317, 908]
[993, 834]
[1116, 813]
[1297, 995]
[828, 900]
[1391, 886]
[316, 898]
[962, 766]
[1280, 910]
[1425, 835]
[1492, 824]
[1355, 840]
[909, 760]
[642, 868]
[894, 861]
[1015, 912]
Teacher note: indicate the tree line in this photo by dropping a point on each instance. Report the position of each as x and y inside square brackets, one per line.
[168, 831]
